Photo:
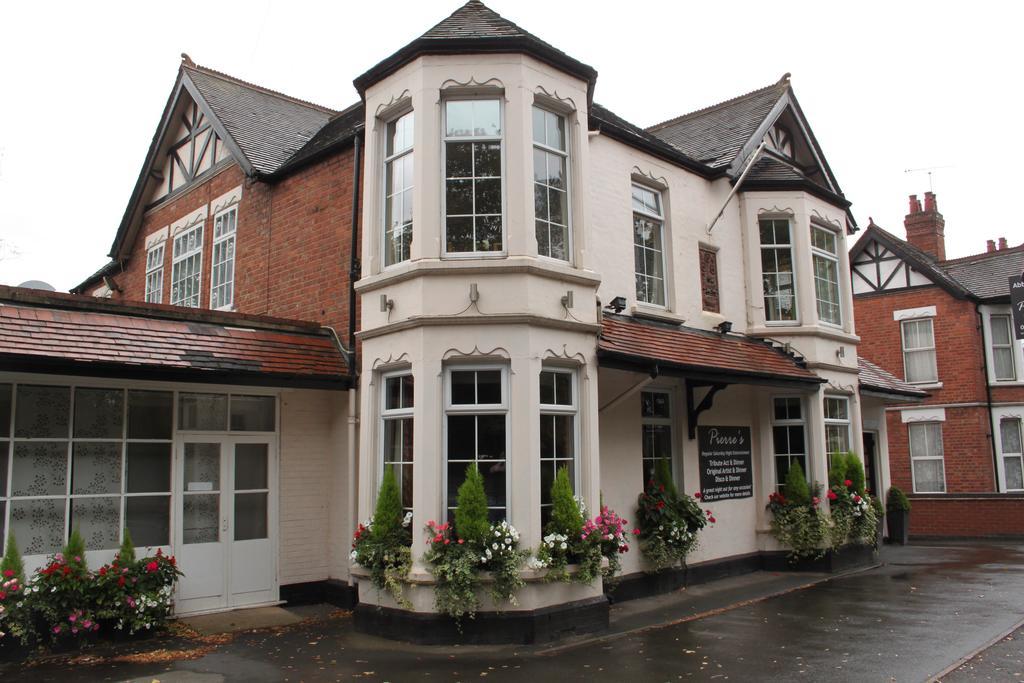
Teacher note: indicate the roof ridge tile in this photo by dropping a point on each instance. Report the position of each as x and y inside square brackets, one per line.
[266, 91]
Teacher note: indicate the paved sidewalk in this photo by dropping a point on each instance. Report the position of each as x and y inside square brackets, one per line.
[1004, 661]
[927, 608]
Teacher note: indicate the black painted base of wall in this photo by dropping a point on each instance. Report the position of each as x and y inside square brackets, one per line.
[331, 591]
[643, 585]
[487, 628]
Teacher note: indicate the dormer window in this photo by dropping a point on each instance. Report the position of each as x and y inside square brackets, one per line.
[398, 169]
[780, 141]
[550, 184]
[473, 198]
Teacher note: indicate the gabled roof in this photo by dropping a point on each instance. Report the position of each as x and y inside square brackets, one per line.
[697, 353]
[68, 334]
[986, 275]
[476, 28]
[261, 128]
[338, 132]
[875, 380]
[949, 275]
[268, 127]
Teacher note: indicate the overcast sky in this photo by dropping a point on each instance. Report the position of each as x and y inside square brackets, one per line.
[887, 86]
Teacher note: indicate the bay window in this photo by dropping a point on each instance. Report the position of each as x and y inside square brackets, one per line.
[926, 457]
[825, 258]
[155, 274]
[476, 423]
[187, 267]
[837, 426]
[919, 351]
[656, 431]
[398, 187]
[778, 282]
[788, 437]
[648, 245]
[222, 271]
[551, 184]
[396, 432]
[558, 412]
[1002, 348]
[473, 197]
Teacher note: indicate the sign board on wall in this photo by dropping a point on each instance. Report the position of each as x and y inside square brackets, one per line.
[1017, 305]
[725, 463]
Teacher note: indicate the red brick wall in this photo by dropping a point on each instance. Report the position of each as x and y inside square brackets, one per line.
[967, 453]
[1001, 515]
[292, 247]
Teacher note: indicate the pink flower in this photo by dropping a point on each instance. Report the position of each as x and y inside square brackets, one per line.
[56, 629]
[815, 501]
[73, 618]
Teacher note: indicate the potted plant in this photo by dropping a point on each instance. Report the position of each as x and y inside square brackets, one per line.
[897, 506]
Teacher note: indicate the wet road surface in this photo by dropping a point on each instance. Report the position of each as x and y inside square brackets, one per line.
[920, 614]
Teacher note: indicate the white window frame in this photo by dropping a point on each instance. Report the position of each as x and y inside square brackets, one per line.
[1011, 347]
[792, 260]
[155, 273]
[833, 257]
[659, 422]
[1005, 455]
[837, 422]
[223, 239]
[566, 410]
[659, 219]
[566, 155]
[394, 414]
[910, 448]
[410, 186]
[788, 422]
[179, 259]
[905, 350]
[451, 409]
[445, 139]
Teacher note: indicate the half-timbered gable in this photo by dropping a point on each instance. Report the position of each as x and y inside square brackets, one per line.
[880, 261]
[191, 150]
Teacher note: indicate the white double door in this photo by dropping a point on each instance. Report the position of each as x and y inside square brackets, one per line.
[225, 527]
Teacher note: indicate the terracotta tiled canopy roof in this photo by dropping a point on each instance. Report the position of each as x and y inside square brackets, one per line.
[697, 353]
[68, 334]
[878, 381]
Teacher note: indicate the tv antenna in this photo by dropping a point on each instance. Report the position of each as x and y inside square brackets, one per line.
[927, 169]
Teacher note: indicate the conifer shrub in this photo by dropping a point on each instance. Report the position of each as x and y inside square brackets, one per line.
[381, 544]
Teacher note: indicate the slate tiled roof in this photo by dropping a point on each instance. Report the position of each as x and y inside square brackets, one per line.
[339, 130]
[874, 378]
[986, 275]
[732, 357]
[474, 27]
[769, 168]
[81, 334]
[714, 135]
[268, 127]
[609, 123]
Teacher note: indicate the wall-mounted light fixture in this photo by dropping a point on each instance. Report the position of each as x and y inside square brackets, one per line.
[386, 304]
[618, 304]
[724, 327]
[474, 293]
[567, 299]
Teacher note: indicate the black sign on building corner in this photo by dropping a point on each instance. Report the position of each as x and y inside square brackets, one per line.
[1017, 304]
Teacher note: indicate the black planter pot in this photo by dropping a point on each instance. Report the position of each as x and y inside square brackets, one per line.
[899, 526]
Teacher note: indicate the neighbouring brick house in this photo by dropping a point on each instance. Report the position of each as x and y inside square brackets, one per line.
[944, 326]
[540, 286]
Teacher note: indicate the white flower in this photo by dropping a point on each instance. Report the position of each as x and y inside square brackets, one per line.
[407, 520]
[564, 546]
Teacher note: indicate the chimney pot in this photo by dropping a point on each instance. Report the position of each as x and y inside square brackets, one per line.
[915, 205]
[991, 244]
[926, 229]
[929, 202]
[1002, 243]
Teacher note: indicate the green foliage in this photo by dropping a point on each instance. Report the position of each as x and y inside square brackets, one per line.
[663, 477]
[804, 528]
[855, 473]
[566, 518]
[897, 501]
[471, 520]
[11, 567]
[837, 470]
[387, 518]
[669, 524]
[74, 551]
[455, 568]
[796, 489]
[126, 554]
[876, 504]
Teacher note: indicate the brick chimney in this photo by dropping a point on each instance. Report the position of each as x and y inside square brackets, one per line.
[1002, 243]
[925, 226]
[991, 244]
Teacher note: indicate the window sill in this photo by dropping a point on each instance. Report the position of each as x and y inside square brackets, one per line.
[925, 385]
[653, 313]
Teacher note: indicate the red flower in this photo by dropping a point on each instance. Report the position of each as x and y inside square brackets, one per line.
[711, 519]
[447, 541]
[856, 499]
[173, 561]
[661, 504]
[661, 487]
[151, 567]
[103, 571]
[120, 581]
[848, 483]
[697, 495]
[159, 552]
[8, 573]
[461, 541]
[3, 595]
[636, 532]
[832, 495]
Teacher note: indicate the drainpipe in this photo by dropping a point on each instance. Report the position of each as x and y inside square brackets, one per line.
[988, 395]
[353, 372]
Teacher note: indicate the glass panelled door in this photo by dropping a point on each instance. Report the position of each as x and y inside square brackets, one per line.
[223, 522]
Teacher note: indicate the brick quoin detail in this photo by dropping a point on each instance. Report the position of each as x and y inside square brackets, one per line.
[292, 247]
